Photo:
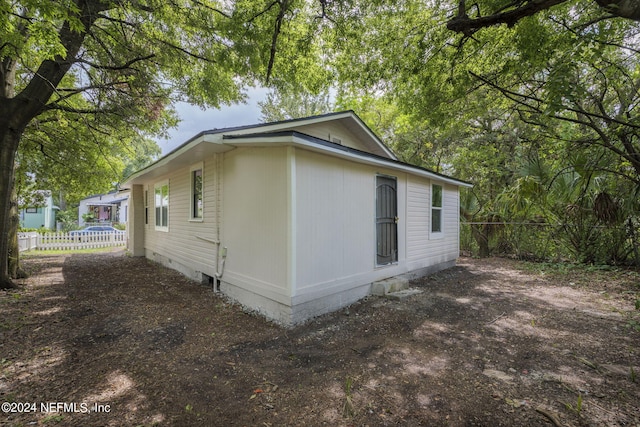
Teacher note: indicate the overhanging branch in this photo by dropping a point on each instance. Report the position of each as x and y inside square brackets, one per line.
[462, 23]
[515, 11]
[185, 51]
[521, 99]
[125, 66]
[274, 40]
[68, 109]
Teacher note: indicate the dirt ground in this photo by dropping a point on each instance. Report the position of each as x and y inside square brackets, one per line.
[108, 340]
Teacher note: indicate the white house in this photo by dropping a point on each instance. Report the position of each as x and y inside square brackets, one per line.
[110, 207]
[296, 218]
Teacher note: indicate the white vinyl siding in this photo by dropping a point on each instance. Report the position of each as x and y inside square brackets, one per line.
[418, 219]
[187, 242]
[335, 219]
[422, 249]
[256, 220]
[336, 226]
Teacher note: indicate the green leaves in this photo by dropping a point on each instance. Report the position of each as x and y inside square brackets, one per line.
[30, 29]
[539, 115]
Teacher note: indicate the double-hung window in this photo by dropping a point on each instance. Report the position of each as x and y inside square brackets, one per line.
[161, 191]
[197, 206]
[146, 207]
[436, 209]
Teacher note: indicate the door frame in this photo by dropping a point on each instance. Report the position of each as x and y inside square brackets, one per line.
[394, 250]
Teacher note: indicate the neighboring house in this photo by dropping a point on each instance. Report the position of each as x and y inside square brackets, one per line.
[42, 215]
[112, 207]
[293, 219]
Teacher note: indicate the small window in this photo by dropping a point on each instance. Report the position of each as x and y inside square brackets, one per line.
[161, 191]
[146, 207]
[436, 208]
[196, 193]
[31, 210]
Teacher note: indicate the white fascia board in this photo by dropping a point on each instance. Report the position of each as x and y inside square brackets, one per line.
[297, 141]
[190, 152]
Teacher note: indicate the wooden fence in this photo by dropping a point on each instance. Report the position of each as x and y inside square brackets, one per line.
[70, 241]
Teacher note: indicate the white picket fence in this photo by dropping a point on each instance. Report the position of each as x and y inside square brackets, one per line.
[69, 241]
[27, 241]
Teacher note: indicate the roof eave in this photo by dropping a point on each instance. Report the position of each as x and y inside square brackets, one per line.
[207, 142]
[312, 144]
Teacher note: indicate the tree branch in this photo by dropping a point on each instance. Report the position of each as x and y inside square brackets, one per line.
[461, 23]
[520, 99]
[71, 92]
[589, 36]
[8, 66]
[284, 4]
[212, 9]
[185, 51]
[629, 9]
[67, 109]
[50, 72]
[262, 12]
[125, 66]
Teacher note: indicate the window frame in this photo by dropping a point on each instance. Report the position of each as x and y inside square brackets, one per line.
[440, 209]
[146, 205]
[193, 211]
[161, 221]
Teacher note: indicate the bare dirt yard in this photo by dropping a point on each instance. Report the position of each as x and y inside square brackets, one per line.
[108, 340]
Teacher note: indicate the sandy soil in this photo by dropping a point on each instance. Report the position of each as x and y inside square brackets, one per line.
[108, 340]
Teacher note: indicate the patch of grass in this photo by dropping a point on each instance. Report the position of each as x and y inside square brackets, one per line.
[577, 408]
[633, 324]
[10, 326]
[348, 410]
[53, 418]
[584, 274]
[10, 397]
[633, 317]
[548, 267]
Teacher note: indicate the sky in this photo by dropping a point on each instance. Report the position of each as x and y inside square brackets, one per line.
[195, 120]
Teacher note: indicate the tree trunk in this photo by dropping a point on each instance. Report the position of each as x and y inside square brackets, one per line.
[634, 242]
[17, 111]
[10, 139]
[15, 272]
[481, 235]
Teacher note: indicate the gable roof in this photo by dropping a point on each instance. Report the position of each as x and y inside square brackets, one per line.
[285, 132]
[348, 118]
